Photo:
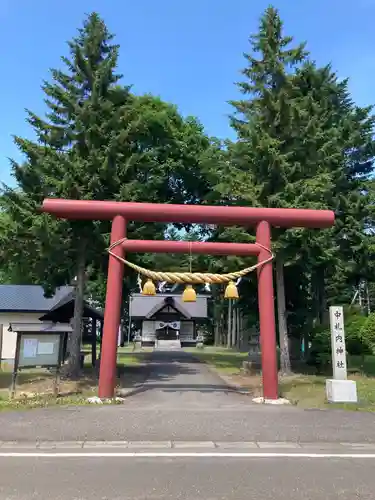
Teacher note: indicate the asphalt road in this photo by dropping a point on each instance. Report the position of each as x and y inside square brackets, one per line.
[185, 435]
[152, 424]
[183, 400]
[100, 478]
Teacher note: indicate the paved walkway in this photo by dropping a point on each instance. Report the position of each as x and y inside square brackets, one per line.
[183, 401]
[178, 380]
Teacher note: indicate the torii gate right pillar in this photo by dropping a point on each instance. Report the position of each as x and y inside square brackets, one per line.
[267, 314]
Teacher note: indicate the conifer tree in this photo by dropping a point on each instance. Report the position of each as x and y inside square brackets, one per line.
[74, 156]
[262, 120]
[97, 141]
[300, 139]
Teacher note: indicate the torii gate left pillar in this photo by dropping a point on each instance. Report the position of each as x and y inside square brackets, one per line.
[121, 212]
[112, 312]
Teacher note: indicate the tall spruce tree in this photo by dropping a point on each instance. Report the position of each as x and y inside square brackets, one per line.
[74, 156]
[342, 136]
[97, 141]
[263, 119]
[297, 147]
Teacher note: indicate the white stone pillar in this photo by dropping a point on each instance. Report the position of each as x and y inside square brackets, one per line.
[339, 389]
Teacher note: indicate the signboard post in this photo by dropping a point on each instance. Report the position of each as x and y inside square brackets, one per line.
[339, 389]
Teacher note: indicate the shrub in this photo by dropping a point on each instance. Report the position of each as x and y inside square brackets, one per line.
[368, 332]
[320, 351]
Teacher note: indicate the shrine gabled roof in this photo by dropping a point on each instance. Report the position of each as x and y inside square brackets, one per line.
[142, 305]
[168, 301]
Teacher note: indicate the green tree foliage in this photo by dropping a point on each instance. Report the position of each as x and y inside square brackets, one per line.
[301, 142]
[97, 141]
[162, 157]
[368, 333]
[340, 256]
[74, 156]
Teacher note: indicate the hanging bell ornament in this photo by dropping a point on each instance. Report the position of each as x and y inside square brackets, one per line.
[189, 294]
[149, 288]
[231, 291]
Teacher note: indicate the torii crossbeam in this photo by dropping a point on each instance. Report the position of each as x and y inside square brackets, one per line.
[121, 212]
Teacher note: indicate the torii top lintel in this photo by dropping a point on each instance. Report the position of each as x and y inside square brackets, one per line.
[204, 214]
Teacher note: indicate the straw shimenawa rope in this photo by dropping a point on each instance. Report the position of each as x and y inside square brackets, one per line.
[189, 277]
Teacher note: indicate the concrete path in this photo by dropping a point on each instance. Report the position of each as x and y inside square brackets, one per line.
[178, 380]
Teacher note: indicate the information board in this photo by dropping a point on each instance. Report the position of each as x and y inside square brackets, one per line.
[39, 349]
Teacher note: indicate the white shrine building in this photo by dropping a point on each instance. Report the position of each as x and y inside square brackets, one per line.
[166, 317]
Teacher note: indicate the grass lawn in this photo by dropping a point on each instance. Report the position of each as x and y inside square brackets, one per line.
[306, 391]
[35, 386]
[226, 361]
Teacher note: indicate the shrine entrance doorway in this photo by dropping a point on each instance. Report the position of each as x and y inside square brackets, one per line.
[167, 333]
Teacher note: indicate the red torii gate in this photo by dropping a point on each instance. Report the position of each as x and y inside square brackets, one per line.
[120, 212]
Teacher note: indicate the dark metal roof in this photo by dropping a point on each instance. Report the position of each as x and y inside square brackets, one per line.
[64, 310]
[30, 298]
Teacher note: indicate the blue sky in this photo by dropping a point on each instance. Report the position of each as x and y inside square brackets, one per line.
[187, 51]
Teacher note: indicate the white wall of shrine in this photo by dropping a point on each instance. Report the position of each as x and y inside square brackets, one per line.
[148, 331]
[187, 330]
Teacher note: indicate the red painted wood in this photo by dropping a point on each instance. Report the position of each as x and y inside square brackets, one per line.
[155, 212]
[195, 247]
[266, 307]
[112, 313]
[262, 218]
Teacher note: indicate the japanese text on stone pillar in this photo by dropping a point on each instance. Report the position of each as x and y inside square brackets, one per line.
[336, 316]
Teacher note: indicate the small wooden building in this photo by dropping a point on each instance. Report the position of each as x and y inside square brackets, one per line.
[165, 317]
[27, 304]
